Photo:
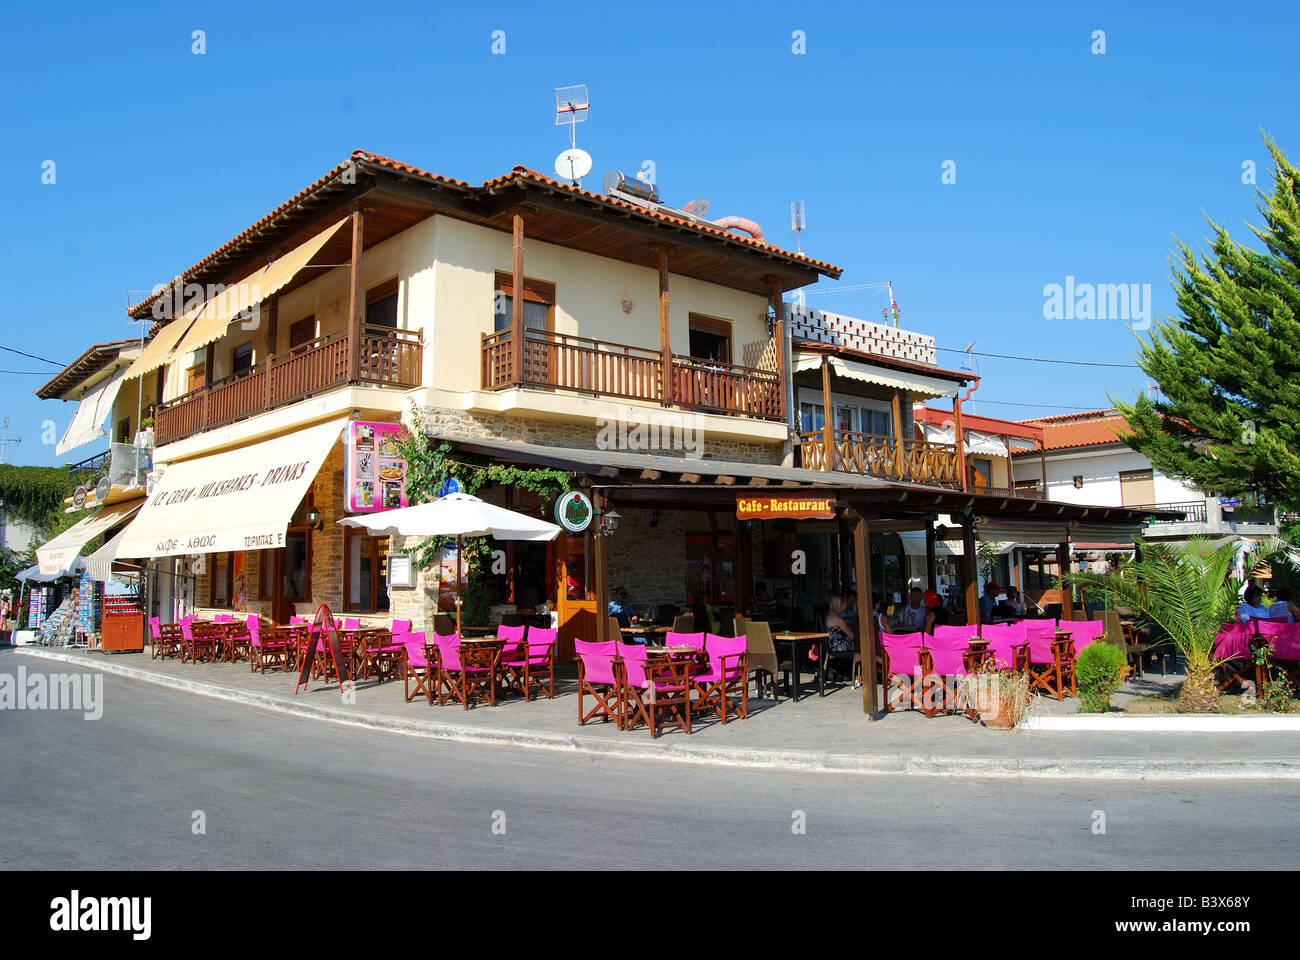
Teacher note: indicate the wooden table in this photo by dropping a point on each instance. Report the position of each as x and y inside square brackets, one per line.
[806, 640]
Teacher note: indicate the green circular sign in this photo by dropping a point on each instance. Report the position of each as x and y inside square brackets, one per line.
[574, 512]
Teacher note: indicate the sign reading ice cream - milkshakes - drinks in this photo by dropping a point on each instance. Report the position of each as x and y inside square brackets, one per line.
[240, 499]
[375, 471]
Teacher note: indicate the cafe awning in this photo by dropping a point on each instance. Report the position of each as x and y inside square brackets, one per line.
[94, 407]
[918, 384]
[914, 545]
[158, 351]
[100, 563]
[978, 443]
[59, 553]
[241, 499]
[251, 290]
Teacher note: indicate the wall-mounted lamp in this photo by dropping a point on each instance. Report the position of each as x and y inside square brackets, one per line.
[609, 523]
[314, 520]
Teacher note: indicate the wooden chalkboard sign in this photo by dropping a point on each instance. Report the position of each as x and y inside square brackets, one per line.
[323, 625]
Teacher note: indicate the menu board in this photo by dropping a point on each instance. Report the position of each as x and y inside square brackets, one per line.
[375, 472]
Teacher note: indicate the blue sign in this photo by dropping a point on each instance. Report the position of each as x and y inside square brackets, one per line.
[451, 485]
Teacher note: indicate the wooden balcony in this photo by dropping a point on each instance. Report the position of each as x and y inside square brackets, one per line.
[387, 357]
[557, 361]
[917, 461]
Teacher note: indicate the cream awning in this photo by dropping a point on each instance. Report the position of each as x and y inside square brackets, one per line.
[914, 545]
[1105, 532]
[917, 384]
[241, 499]
[100, 563]
[60, 552]
[158, 351]
[977, 442]
[262, 283]
[88, 422]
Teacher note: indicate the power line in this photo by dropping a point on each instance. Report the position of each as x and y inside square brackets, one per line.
[27, 373]
[34, 356]
[1008, 356]
[1013, 403]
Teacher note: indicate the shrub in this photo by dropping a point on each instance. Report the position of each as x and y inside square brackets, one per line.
[1099, 669]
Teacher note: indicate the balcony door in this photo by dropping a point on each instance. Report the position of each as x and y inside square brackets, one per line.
[539, 315]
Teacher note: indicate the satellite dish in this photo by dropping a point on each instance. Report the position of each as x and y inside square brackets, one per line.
[573, 164]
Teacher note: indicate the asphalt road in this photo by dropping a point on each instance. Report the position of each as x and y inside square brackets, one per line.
[125, 791]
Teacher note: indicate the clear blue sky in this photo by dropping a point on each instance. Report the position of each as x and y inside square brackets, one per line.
[1067, 162]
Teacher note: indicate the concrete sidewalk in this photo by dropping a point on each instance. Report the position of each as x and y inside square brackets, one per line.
[824, 734]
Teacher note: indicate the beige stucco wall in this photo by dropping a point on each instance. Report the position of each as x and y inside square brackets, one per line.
[589, 293]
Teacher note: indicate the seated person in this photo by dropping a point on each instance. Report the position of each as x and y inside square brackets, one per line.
[850, 611]
[840, 635]
[912, 619]
[764, 604]
[882, 622]
[1015, 601]
[1252, 607]
[989, 600]
[1282, 608]
[703, 614]
[619, 607]
[935, 613]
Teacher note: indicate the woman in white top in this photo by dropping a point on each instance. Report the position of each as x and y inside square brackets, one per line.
[1251, 608]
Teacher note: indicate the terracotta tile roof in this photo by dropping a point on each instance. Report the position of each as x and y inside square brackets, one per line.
[702, 226]
[516, 174]
[1091, 429]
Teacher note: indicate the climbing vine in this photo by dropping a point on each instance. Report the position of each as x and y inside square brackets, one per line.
[430, 466]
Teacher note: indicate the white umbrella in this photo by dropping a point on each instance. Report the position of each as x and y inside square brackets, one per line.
[456, 515]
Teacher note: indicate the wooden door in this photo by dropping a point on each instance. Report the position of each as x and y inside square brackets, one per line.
[575, 602]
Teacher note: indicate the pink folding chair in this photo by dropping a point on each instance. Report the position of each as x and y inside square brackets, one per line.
[673, 639]
[901, 658]
[536, 662]
[1048, 662]
[1003, 638]
[1236, 663]
[416, 666]
[513, 636]
[400, 627]
[598, 679]
[946, 658]
[724, 676]
[1083, 632]
[655, 693]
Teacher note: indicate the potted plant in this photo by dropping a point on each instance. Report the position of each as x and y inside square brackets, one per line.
[1189, 590]
[1099, 669]
[999, 697]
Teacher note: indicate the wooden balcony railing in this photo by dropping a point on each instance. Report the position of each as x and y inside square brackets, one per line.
[557, 361]
[919, 461]
[388, 357]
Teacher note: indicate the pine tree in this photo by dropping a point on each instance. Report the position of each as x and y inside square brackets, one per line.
[1229, 366]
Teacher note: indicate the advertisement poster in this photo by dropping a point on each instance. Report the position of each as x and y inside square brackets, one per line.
[375, 472]
[452, 577]
[240, 599]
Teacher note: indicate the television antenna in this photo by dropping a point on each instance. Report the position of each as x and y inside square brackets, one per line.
[5, 441]
[798, 223]
[571, 106]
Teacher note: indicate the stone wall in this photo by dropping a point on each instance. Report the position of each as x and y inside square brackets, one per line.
[649, 562]
[459, 425]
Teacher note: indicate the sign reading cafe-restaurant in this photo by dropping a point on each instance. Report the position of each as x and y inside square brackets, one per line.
[771, 507]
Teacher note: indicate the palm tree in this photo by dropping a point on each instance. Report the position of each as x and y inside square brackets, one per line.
[1189, 590]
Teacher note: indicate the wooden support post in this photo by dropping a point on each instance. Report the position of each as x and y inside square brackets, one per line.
[970, 575]
[1062, 566]
[959, 437]
[517, 302]
[665, 333]
[828, 416]
[599, 563]
[866, 615]
[931, 566]
[356, 297]
[778, 333]
[896, 409]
